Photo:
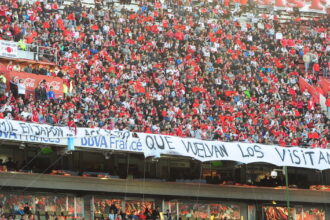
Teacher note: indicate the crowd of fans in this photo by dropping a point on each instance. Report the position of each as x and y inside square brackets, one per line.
[186, 70]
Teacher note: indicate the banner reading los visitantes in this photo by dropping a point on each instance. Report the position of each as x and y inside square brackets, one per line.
[155, 145]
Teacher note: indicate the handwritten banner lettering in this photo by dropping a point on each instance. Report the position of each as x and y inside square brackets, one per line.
[155, 145]
[55, 135]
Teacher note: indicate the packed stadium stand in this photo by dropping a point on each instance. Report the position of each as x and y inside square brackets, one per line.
[229, 71]
[186, 71]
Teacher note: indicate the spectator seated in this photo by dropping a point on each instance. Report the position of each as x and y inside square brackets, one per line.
[185, 70]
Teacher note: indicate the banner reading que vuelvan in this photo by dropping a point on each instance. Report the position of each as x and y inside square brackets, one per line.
[155, 145]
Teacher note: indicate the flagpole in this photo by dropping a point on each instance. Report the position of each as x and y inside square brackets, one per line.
[287, 191]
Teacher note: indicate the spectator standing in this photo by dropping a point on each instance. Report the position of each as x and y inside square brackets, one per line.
[21, 89]
[41, 92]
[13, 87]
[155, 70]
[38, 92]
[307, 60]
[51, 94]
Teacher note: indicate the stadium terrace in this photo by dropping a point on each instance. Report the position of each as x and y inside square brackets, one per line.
[163, 110]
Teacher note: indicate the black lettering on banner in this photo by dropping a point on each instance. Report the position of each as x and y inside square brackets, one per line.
[7, 126]
[254, 151]
[169, 142]
[282, 156]
[12, 128]
[223, 150]
[3, 126]
[108, 132]
[304, 156]
[43, 131]
[258, 150]
[243, 155]
[37, 132]
[210, 151]
[322, 158]
[160, 146]
[150, 142]
[310, 153]
[294, 152]
[86, 132]
[250, 151]
[220, 149]
[328, 157]
[61, 133]
[92, 132]
[187, 147]
[290, 156]
[193, 149]
[51, 130]
[126, 135]
[25, 129]
[203, 150]
[199, 148]
[191, 146]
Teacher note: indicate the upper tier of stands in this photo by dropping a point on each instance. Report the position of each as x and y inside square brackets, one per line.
[198, 69]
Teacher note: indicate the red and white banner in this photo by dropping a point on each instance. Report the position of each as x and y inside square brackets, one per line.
[8, 49]
[325, 85]
[304, 85]
[319, 6]
[31, 81]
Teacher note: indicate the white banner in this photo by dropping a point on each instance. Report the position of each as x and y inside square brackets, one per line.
[156, 145]
[8, 49]
[55, 135]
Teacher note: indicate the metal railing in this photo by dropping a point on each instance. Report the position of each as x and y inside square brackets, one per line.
[38, 53]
